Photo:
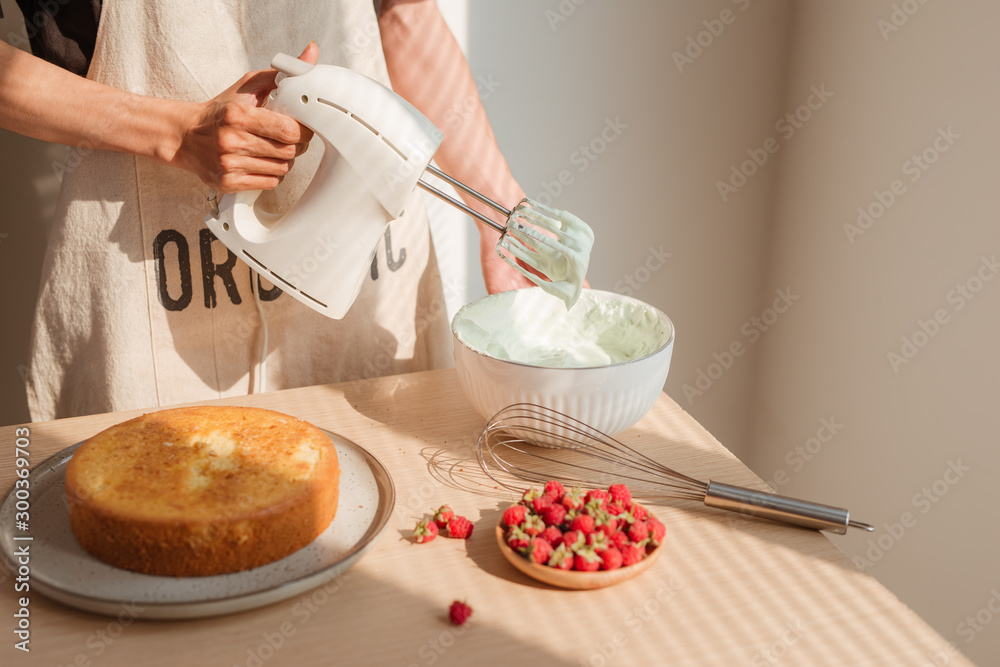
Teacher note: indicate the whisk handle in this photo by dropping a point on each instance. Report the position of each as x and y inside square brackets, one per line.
[781, 508]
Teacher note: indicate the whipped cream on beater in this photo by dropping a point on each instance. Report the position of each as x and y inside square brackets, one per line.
[555, 243]
[530, 327]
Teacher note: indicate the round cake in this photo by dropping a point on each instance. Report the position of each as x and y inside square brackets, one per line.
[202, 491]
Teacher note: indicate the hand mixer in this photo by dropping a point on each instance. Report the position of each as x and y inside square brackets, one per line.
[535, 444]
[376, 148]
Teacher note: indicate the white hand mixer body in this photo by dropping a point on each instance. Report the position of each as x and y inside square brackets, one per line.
[376, 148]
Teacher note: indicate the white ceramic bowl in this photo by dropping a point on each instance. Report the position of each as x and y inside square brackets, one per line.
[609, 397]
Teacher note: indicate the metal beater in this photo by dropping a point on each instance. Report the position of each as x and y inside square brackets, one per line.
[536, 444]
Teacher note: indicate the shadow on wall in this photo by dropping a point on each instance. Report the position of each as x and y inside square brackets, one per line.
[29, 186]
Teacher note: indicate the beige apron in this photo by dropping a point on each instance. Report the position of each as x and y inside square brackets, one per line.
[140, 306]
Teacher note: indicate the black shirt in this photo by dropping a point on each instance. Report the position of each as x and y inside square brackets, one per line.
[62, 31]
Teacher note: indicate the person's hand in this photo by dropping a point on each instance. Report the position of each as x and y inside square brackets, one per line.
[232, 143]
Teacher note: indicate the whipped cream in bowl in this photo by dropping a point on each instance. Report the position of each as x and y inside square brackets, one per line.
[603, 361]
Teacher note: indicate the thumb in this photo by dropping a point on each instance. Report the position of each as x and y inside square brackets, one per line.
[310, 54]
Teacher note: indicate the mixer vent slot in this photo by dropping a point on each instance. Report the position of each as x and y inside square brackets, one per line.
[370, 128]
[281, 282]
[331, 104]
[393, 147]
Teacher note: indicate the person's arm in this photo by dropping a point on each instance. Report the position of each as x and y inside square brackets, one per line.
[228, 141]
[427, 68]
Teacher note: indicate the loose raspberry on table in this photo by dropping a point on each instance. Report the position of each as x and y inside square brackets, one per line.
[425, 531]
[554, 515]
[460, 528]
[514, 515]
[554, 490]
[459, 612]
[443, 515]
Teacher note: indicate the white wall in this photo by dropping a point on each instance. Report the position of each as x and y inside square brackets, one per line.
[904, 422]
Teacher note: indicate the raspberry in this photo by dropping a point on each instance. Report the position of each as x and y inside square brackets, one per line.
[598, 540]
[561, 558]
[638, 512]
[632, 554]
[540, 503]
[460, 528]
[619, 539]
[611, 559]
[574, 539]
[638, 533]
[553, 536]
[586, 560]
[554, 490]
[606, 523]
[554, 515]
[657, 531]
[533, 525]
[425, 531]
[530, 495]
[539, 550]
[517, 539]
[615, 509]
[620, 494]
[459, 612]
[597, 494]
[443, 515]
[514, 515]
[573, 499]
[584, 523]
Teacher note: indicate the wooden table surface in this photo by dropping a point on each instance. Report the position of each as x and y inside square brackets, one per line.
[728, 590]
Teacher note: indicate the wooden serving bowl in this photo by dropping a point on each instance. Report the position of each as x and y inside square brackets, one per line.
[573, 579]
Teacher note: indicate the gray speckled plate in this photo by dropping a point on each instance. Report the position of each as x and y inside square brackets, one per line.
[63, 571]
